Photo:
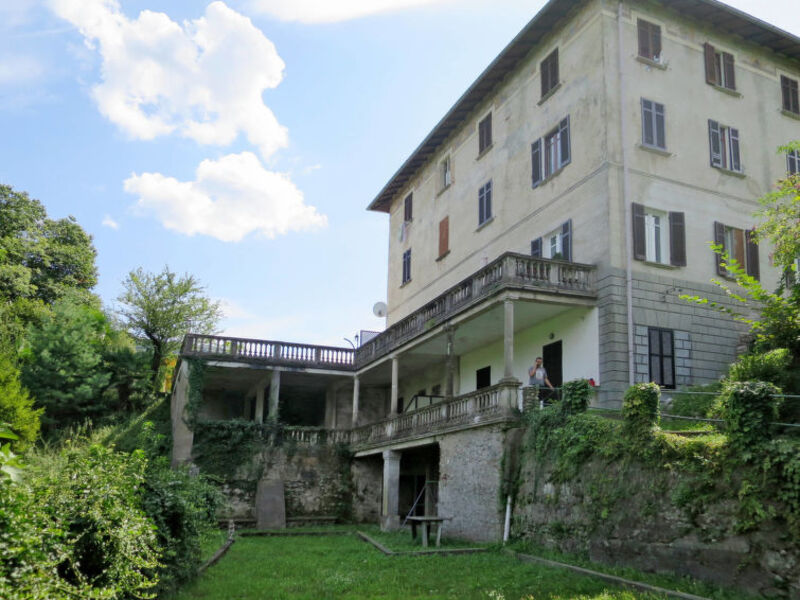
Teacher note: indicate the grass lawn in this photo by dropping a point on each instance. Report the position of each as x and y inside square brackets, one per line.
[345, 567]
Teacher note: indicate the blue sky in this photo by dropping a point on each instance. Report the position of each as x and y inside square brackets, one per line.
[242, 141]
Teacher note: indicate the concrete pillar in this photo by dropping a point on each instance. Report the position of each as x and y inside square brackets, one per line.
[260, 404]
[182, 436]
[390, 509]
[274, 395]
[356, 385]
[450, 364]
[430, 506]
[508, 339]
[395, 386]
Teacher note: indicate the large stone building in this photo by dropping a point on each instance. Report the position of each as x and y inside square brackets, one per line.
[559, 209]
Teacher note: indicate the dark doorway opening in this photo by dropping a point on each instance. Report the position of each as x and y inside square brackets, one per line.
[483, 378]
[419, 480]
[551, 357]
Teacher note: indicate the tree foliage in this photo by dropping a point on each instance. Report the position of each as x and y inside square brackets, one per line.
[16, 406]
[160, 308]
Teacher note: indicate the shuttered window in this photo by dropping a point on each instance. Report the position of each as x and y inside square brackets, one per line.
[740, 245]
[549, 68]
[408, 208]
[653, 125]
[793, 162]
[661, 357]
[551, 153]
[719, 67]
[446, 174]
[485, 203]
[444, 236]
[485, 134]
[659, 236]
[649, 40]
[406, 266]
[791, 97]
[556, 245]
[724, 147]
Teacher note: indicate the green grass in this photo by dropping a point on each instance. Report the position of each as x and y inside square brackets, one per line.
[344, 567]
[401, 541]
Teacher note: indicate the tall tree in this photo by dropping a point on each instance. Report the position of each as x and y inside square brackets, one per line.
[162, 307]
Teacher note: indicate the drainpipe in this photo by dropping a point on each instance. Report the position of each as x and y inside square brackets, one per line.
[626, 194]
[507, 527]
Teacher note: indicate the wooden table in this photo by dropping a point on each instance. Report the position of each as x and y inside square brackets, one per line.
[426, 523]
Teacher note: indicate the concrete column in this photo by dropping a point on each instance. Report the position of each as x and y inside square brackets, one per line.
[182, 436]
[356, 386]
[450, 365]
[274, 394]
[395, 385]
[390, 509]
[508, 339]
[260, 404]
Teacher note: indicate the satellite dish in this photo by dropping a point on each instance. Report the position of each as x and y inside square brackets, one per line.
[380, 309]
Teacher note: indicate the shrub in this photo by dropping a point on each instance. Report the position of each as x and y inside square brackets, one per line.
[772, 367]
[16, 407]
[640, 409]
[748, 408]
[575, 396]
[696, 404]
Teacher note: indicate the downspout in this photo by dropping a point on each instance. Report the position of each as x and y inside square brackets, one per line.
[626, 194]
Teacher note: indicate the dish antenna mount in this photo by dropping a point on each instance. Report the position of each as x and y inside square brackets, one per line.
[380, 309]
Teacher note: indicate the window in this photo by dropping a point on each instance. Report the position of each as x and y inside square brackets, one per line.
[659, 236]
[446, 177]
[551, 153]
[485, 134]
[406, 266]
[719, 68]
[556, 245]
[653, 126]
[793, 162]
[791, 98]
[444, 236]
[485, 203]
[740, 245]
[724, 146]
[436, 390]
[483, 378]
[549, 68]
[661, 351]
[408, 208]
[649, 40]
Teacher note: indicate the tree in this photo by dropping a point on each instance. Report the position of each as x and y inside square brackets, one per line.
[781, 216]
[161, 308]
[41, 258]
[16, 407]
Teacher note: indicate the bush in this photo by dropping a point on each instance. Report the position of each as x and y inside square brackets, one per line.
[697, 404]
[16, 407]
[772, 367]
[640, 409]
[575, 396]
[748, 408]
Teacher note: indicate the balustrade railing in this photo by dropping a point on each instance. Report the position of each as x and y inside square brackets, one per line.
[510, 270]
[267, 351]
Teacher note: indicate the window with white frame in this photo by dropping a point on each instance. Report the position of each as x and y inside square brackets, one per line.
[555, 245]
[485, 203]
[719, 67]
[740, 245]
[724, 147]
[551, 153]
[656, 236]
[793, 162]
[653, 125]
[446, 177]
[659, 236]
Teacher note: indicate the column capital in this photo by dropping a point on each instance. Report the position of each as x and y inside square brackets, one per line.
[391, 455]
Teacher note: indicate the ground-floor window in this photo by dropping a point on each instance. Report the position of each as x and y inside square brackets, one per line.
[662, 357]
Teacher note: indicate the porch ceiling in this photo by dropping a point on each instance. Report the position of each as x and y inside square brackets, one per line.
[244, 379]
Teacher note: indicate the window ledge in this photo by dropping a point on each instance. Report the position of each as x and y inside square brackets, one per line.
[550, 177]
[442, 256]
[485, 151]
[725, 90]
[652, 263]
[485, 223]
[790, 114]
[739, 174]
[655, 149]
[405, 283]
[550, 93]
[651, 63]
[444, 189]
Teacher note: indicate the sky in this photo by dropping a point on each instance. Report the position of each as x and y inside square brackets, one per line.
[241, 141]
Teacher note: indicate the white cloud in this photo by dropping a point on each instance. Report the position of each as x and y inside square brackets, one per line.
[330, 11]
[229, 199]
[109, 222]
[201, 79]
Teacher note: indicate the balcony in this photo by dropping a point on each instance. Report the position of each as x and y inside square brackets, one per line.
[509, 272]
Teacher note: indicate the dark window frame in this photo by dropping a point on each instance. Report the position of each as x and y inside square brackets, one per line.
[542, 167]
[649, 35]
[484, 374]
[720, 67]
[408, 208]
[406, 267]
[793, 162]
[485, 203]
[725, 147]
[790, 95]
[660, 356]
[550, 73]
[654, 121]
[485, 134]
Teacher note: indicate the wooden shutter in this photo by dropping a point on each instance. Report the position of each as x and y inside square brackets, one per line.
[408, 208]
[536, 162]
[752, 254]
[730, 73]
[554, 69]
[786, 92]
[648, 133]
[719, 239]
[655, 41]
[566, 240]
[677, 239]
[644, 39]
[711, 70]
[639, 239]
[444, 236]
[715, 143]
[536, 248]
[564, 141]
[660, 125]
[736, 161]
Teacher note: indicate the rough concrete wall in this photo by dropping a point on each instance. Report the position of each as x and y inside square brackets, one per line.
[367, 476]
[373, 404]
[469, 483]
[182, 436]
[623, 515]
[316, 481]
